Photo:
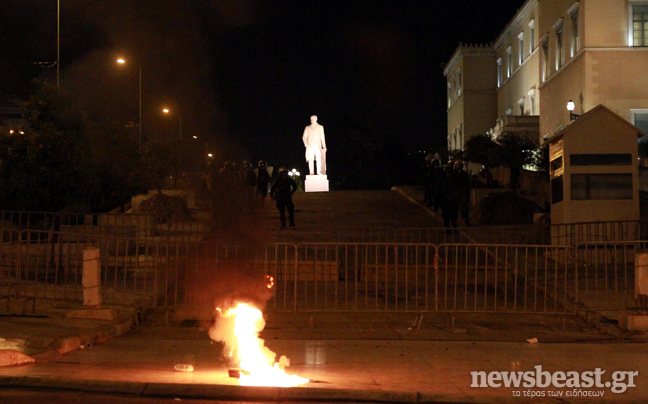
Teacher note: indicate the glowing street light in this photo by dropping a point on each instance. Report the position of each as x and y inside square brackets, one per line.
[570, 108]
[166, 111]
[122, 61]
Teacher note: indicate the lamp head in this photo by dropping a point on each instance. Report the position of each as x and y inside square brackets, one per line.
[570, 106]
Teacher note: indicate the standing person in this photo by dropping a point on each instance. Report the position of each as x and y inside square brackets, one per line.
[262, 181]
[450, 198]
[463, 188]
[436, 176]
[249, 184]
[315, 144]
[282, 191]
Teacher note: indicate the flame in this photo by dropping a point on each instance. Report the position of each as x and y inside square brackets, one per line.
[256, 361]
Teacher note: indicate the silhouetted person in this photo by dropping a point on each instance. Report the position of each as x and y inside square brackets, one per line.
[462, 179]
[249, 184]
[282, 191]
[433, 184]
[450, 198]
[262, 181]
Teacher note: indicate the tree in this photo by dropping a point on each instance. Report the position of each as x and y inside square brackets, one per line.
[46, 169]
[65, 160]
[514, 152]
[480, 149]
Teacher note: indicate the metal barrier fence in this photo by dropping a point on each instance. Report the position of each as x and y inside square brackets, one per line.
[606, 275]
[359, 277]
[133, 225]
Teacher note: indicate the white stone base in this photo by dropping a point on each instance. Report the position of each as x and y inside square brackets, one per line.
[316, 183]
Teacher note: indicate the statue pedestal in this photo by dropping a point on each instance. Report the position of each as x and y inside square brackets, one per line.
[316, 183]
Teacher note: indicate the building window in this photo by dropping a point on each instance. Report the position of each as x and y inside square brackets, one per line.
[532, 109]
[499, 72]
[509, 62]
[606, 159]
[521, 48]
[601, 186]
[545, 57]
[449, 95]
[640, 119]
[575, 38]
[531, 36]
[558, 27]
[459, 83]
[557, 189]
[461, 138]
[639, 24]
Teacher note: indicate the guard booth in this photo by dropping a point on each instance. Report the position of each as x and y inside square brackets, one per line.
[594, 173]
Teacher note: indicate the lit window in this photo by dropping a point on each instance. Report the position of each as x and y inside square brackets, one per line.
[449, 95]
[545, 57]
[640, 119]
[509, 61]
[499, 72]
[558, 27]
[521, 48]
[640, 25]
[575, 39]
[532, 108]
[459, 83]
[531, 36]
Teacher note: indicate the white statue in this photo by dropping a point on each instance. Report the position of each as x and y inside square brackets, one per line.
[315, 146]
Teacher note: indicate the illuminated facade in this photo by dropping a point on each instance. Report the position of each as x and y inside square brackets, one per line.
[553, 51]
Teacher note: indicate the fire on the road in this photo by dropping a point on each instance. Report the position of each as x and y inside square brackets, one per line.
[239, 328]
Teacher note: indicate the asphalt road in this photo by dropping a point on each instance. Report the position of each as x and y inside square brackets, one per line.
[11, 396]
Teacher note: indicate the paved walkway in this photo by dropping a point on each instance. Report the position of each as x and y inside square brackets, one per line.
[141, 363]
[349, 357]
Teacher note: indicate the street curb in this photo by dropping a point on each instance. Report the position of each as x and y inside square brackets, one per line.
[97, 336]
[61, 346]
[211, 391]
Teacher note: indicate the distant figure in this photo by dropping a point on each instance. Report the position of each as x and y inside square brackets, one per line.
[463, 185]
[450, 198]
[249, 184]
[315, 143]
[433, 175]
[282, 191]
[262, 181]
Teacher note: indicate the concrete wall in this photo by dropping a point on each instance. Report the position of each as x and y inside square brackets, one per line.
[568, 84]
[617, 79]
[523, 80]
[605, 23]
[480, 113]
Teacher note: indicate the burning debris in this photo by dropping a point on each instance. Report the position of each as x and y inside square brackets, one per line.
[238, 329]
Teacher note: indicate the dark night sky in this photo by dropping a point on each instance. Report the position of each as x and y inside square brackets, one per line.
[251, 72]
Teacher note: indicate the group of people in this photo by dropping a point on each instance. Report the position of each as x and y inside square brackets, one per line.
[253, 186]
[447, 188]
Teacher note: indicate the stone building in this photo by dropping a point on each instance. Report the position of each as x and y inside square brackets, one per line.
[593, 52]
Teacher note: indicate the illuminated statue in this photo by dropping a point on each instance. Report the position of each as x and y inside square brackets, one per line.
[315, 144]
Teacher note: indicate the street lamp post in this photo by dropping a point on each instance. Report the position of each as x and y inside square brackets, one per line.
[570, 108]
[123, 61]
